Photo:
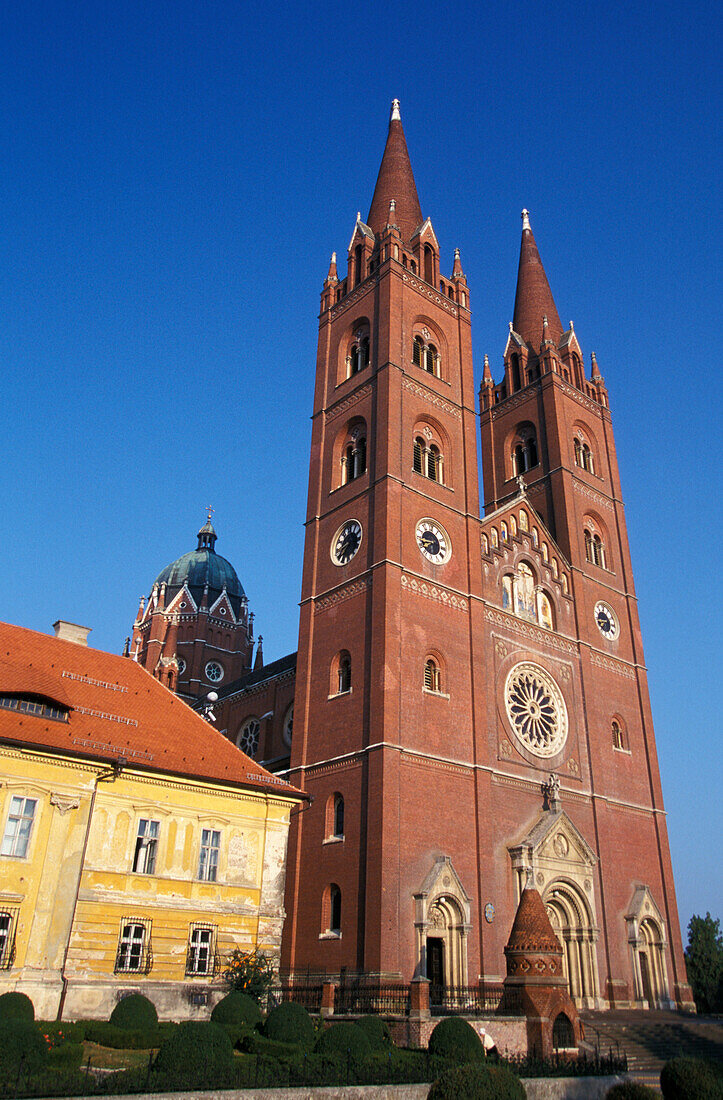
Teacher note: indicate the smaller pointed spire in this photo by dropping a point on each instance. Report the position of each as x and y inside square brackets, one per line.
[332, 277]
[141, 609]
[392, 219]
[595, 368]
[395, 181]
[259, 662]
[487, 373]
[457, 272]
[127, 648]
[533, 299]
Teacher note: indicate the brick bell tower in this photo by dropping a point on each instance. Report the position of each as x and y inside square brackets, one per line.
[472, 710]
[385, 612]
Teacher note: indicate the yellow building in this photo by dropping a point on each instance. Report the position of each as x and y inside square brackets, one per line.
[139, 846]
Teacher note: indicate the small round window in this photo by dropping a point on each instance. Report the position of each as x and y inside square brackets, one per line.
[181, 665]
[214, 672]
[248, 738]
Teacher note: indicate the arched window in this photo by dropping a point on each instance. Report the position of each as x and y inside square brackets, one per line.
[358, 263]
[618, 735]
[594, 548]
[344, 673]
[524, 450]
[493, 537]
[334, 908]
[338, 823]
[515, 372]
[525, 593]
[583, 455]
[428, 265]
[544, 611]
[485, 545]
[431, 359]
[354, 455]
[545, 552]
[417, 351]
[563, 1035]
[503, 531]
[563, 582]
[358, 356]
[431, 675]
[513, 526]
[248, 736]
[427, 459]
[524, 521]
[507, 597]
[535, 537]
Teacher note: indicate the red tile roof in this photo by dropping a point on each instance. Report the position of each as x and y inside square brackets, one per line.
[117, 710]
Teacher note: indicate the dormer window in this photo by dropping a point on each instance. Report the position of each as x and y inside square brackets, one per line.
[36, 706]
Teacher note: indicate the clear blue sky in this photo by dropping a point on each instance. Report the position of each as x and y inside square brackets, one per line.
[174, 177]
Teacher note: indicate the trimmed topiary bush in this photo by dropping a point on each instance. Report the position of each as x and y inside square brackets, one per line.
[289, 1023]
[477, 1082]
[455, 1039]
[120, 1038]
[135, 1013]
[631, 1090]
[690, 1079]
[343, 1038]
[195, 1049]
[375, 1030]
[16, 1006]
[237, 1010]
[21, 1043]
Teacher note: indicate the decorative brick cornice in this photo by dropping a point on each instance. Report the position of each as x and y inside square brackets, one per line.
[612, 666]
[352, 298]
[543, 637]
[348, 402]
[432, 398]
[591, 494]
[341, 594]
[434, 592]
[429, 292]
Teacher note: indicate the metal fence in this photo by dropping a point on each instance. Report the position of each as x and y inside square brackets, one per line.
[464, 1000]
[307, 994]
[371, 998]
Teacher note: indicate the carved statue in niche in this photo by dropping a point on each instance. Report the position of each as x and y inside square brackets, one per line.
[525, 593]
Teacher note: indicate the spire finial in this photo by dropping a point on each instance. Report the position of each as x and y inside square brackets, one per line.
[457, 268]
[395, 115]
[526, 220]
[595, 367]
[209, 512]
[487, 373]
[358, 215]
[332, 276]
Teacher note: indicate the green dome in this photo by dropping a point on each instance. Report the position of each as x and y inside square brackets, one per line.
[200, 568]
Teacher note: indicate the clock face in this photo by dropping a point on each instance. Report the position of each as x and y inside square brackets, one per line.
[433, 541]
[346, 542]
[606, 621]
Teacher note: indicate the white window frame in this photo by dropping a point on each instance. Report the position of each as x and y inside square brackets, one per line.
[18, 827]
[208, 856]
[146, 850]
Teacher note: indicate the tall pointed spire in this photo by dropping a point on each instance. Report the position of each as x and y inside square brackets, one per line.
[395, 181]
[533, 300]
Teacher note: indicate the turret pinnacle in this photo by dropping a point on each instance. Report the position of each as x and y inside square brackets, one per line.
[533, 300]
[395, 181]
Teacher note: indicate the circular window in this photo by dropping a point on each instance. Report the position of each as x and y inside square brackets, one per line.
[214, 672]
[181, 665]
[289, 725]
[536, 709]
[248, 738]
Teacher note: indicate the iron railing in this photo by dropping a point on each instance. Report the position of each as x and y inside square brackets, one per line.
[371, 998]
[464, 1000]
[307, 994]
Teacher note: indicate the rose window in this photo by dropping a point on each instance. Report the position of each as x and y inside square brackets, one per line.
[248, 739]
[536, 709]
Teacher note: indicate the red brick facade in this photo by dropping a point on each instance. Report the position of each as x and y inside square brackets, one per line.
[450, 662]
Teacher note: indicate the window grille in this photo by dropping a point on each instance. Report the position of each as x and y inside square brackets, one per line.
[134, 954]
[18, 827]
[201, 957]
[208, 861]
[431, 675]
[8, 927]
[144, 857]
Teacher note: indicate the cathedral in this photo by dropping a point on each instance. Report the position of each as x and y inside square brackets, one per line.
[468, 709]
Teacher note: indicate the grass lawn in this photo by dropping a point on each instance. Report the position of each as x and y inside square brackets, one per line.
[110, 1058]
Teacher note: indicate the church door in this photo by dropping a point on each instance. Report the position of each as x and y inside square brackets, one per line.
[435, 968]
[645, 978]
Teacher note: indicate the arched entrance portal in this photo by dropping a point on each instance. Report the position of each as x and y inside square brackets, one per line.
[646, 936]
[572, 921]
[442, 923]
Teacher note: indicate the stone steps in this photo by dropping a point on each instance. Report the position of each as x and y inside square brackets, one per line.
[649, 1039]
